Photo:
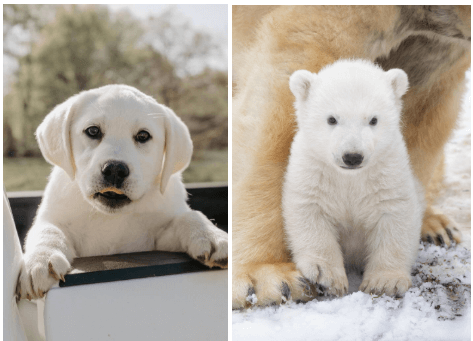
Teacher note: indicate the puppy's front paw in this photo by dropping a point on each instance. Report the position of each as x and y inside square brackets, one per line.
[383, 282]
[211, 249]
[332, 279]
[40, 271]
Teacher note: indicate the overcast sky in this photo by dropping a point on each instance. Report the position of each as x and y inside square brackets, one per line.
[212, 19]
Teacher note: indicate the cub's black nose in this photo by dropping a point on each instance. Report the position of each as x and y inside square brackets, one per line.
[352, 160]
[115, 172]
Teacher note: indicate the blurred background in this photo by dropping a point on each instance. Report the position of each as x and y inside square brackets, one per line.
[176, 54]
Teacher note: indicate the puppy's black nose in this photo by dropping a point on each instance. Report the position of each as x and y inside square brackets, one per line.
[115, 172]
[352, 160]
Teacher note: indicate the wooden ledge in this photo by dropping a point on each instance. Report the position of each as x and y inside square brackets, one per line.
[102, 269]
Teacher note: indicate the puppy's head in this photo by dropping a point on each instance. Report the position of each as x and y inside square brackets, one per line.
[116, 143]
[349, 112]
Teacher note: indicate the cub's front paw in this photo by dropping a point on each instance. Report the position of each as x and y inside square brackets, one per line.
[383, 282]
[332, 279]
[211, 249]
[40, 271]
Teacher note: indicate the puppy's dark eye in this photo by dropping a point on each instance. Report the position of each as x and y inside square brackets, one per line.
[373, 121]
[332, 121]
[93, 132]
[142, 136]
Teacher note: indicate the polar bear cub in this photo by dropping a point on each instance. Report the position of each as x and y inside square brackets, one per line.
[350, 198]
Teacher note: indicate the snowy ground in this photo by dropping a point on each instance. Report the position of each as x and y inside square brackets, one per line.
[437, 307]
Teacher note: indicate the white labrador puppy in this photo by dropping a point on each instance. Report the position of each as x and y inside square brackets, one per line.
[116, 187]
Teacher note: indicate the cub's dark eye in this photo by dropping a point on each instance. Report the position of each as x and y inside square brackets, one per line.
[332, 121]
[142, 136]
[373, 121]
[93, 132]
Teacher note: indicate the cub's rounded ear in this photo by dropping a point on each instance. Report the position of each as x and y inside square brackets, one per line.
[399, 81]
[177, 147]
[53, 136]
[300, 83]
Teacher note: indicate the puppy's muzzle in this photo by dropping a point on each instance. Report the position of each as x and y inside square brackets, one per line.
[114, 173]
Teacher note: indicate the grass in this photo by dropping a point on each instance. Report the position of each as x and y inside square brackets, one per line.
[30, 174]
[25, 174]
[208, 166]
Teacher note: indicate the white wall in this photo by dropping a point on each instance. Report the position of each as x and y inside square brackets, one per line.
[190, 306]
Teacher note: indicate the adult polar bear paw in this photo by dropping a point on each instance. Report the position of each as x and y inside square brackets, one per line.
[267, 284]
[438, 229]
[384, 282]
[40, 271]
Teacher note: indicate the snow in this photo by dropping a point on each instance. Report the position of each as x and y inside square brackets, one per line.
[436, 307]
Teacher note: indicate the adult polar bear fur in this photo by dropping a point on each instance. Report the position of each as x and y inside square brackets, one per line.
[350, 197]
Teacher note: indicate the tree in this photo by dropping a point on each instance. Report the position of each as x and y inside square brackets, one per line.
[21, 26]
[189, 49]
[84, 47]
[203, 105]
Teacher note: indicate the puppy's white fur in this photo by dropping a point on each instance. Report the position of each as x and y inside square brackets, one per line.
[369, 217]
[71, 222]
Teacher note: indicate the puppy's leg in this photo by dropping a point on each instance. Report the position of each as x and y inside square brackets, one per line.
[47, 258]
[192, 232]
[392, 248]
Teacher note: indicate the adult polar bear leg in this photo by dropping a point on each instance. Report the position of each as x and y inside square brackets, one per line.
[438, 228]
[261, 264]
[429, 118]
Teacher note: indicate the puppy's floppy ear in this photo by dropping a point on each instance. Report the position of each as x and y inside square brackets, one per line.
[54, 139]
[300, 84]
[399, 81]
[178, 147]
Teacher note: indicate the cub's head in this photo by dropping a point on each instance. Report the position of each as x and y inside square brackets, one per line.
[116, 144]
[349, 113]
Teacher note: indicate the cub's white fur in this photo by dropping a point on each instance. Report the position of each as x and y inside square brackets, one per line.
[74, 220]
[340, 210]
